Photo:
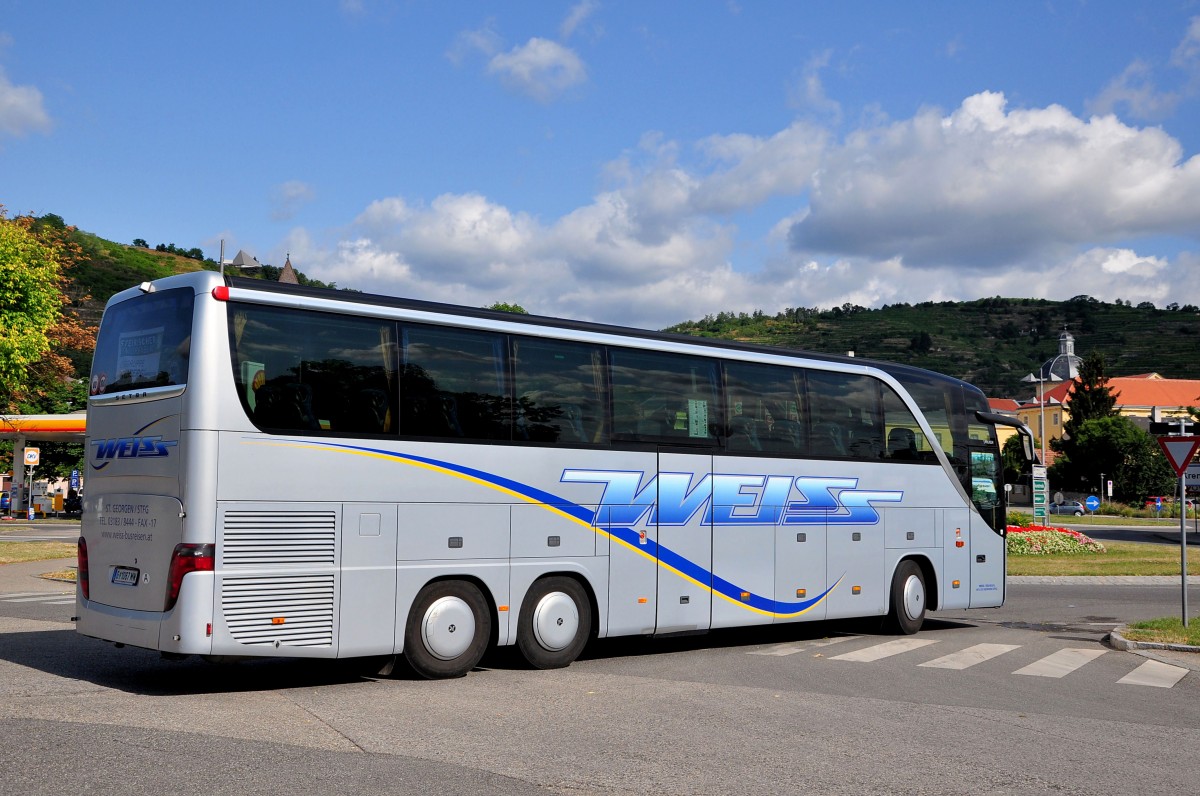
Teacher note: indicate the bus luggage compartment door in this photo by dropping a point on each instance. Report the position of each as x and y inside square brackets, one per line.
[367, 619]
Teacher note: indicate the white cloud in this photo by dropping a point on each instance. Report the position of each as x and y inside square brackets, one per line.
[578, 14]
[982, 201]
[485, 40]
[986, 185]
[540, 68]
[21, 109]
[287, 198]
[1136, 89]
[809, 95]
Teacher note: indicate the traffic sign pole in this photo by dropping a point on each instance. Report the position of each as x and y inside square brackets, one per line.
[1179, 452]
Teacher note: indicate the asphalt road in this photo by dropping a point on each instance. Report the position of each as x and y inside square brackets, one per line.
[1020, 699]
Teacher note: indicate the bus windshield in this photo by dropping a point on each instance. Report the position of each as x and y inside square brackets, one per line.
[144, 342]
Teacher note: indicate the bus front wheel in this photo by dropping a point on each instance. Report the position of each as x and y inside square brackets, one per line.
[555, 623]
[907, 613]
[448, 629]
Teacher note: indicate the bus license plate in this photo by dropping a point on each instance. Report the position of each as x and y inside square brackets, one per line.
[125, 576]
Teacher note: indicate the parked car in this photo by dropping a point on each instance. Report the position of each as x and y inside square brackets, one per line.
[1067, 507]
[5, 501]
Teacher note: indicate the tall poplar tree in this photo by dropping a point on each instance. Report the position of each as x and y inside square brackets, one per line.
[1090, 398]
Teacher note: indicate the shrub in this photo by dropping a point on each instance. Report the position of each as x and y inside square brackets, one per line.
[1039, 540]
[1020, 518]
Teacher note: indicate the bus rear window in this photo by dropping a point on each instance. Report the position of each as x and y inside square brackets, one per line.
[144, 342]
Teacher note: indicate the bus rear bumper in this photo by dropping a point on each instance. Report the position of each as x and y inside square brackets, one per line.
[186, 629]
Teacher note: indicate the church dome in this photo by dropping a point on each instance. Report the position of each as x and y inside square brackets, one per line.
[1065, 365]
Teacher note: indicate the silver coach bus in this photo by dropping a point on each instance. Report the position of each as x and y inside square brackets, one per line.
[276, 470]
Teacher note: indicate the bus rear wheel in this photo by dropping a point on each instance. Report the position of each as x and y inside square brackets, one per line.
[907, 613]
[448, 629]
[555, 623]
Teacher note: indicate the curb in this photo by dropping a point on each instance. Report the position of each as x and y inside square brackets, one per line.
[1148, 649]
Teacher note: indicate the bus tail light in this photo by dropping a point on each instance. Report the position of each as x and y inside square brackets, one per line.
[81, 567]
[220, 293]
[187, 558]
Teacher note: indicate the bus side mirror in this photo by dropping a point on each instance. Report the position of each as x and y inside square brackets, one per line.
[995, 419]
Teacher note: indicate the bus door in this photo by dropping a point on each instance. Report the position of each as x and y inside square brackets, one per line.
[987, 525]
[684, 541]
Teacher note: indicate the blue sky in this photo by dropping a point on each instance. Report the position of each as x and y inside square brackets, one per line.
[628, 162]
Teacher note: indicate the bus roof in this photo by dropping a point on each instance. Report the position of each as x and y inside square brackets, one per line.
[899, 371]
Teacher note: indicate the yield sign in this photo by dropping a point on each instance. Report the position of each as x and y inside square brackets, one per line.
[1179, 451]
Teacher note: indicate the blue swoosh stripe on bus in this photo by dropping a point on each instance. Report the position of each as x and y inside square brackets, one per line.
[651, 549]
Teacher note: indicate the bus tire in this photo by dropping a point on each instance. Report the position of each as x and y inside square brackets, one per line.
[448, 629]
[907, 613]
[555, 622]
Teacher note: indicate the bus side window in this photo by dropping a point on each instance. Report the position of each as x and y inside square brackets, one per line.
[314, 372]
[847, 421]
[559, 389]
[453, 384]
[664, 398]
[905, 440]
[764, 408]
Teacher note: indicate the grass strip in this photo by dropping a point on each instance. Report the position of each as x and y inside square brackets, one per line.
[1168, 630]
[18, 552]
[1121, 558]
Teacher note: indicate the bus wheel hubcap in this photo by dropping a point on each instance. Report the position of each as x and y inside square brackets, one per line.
[914, 596]
[448, 628]
[555, 621]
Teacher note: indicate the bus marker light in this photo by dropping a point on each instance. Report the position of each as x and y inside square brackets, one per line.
[502, 608]
[801, 592]
[278, 620]
[745, 596]
[959, 543]
[220, 293]
[642, 601]
[856, 590]
[955, 584]
[208, 629]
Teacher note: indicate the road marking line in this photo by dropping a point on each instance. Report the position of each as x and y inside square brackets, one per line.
[22, 594]
[884, 650]
[38, 599]
[1061, 663]
[1155, 674]
[971, 656]
[792, 648]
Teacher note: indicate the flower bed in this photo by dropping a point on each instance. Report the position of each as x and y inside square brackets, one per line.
[1040, 540]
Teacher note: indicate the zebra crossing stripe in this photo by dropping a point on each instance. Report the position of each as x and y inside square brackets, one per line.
[884, 650]
[41, 597]
[1154, 673]
[780, 650]
[1061, 663]
[970, 656]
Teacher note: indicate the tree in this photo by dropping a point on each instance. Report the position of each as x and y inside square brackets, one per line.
[1120, 450]
[504, 306]
[31, 303]
[36, 336]
[1090, 398]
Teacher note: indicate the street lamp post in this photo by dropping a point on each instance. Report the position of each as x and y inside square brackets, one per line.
[1041, 383]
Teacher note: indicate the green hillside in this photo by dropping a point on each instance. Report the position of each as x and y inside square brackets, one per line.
[991, 342]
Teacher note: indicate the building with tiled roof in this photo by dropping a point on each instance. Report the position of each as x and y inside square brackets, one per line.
[1144, 399]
